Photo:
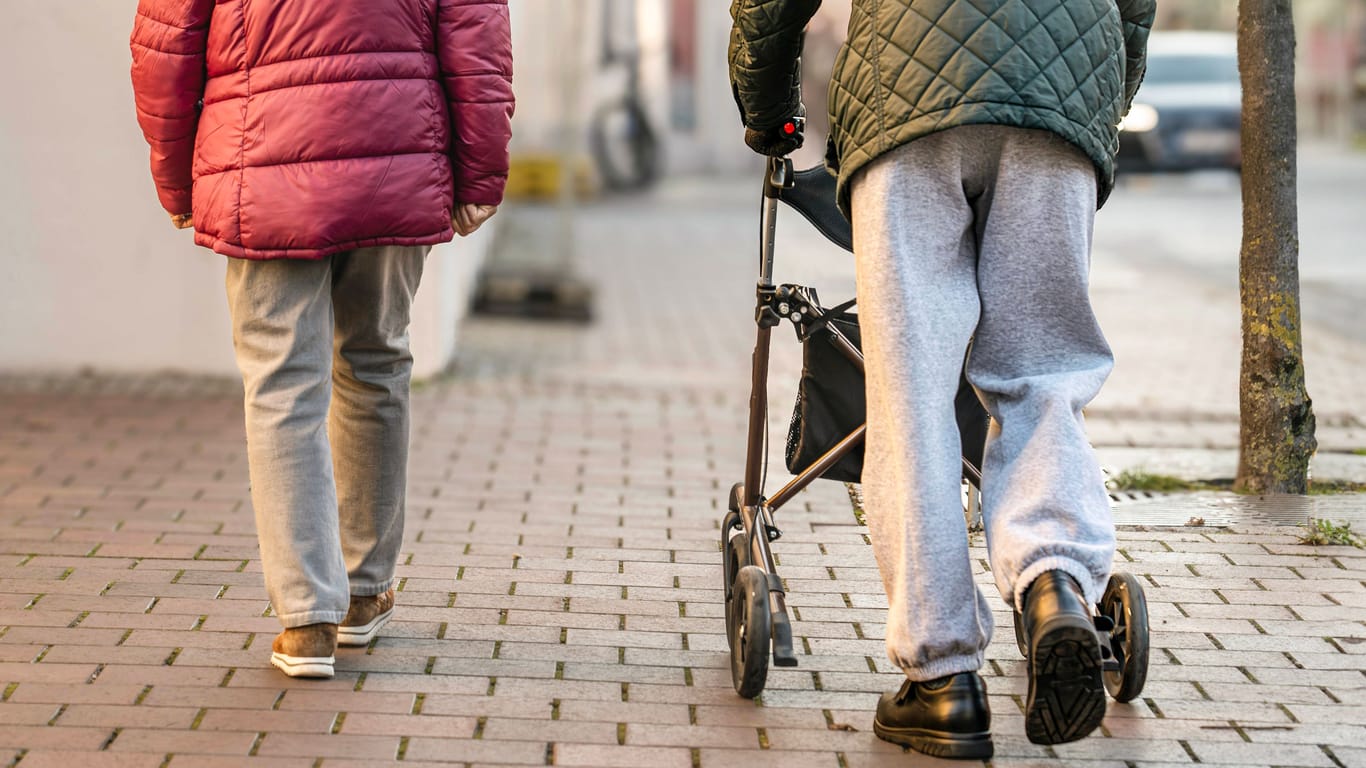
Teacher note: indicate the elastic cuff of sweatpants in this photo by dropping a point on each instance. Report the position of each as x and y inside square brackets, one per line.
[295, 620]
[370, 590]
[1091, 585]
[938, 668]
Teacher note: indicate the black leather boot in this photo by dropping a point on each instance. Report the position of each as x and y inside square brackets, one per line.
[1066, 693]
[948, 717]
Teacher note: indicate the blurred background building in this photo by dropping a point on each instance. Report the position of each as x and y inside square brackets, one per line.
[1331, 65]
[677, 49]
[686, 96]
[615, 94]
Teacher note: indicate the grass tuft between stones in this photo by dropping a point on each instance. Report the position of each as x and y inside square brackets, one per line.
[1320, 532]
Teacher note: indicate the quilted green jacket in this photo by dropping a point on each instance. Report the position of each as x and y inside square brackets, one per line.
[913, 67]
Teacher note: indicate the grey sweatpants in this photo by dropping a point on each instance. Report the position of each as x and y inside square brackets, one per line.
[978, 233]
[323, 350]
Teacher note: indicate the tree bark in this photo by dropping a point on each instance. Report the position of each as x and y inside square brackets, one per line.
[1277, 417]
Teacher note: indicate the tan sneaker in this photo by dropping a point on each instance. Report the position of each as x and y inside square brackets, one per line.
[364, 619]
[305, 651]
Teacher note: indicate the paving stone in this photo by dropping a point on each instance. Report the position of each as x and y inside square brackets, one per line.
[556, 731]
[379, 749]
[1234, 753]
[28, 714]
[352, 702]
[1175, 731]
[117, 716]
[1147, 749]
[215, 761]
[614, 756]
[266, 721]
[212, 697]
[1315, 713]
[472, 751]
[56, 758]
[236, 743]
[406, 724]
[772, 757]
[101, 692]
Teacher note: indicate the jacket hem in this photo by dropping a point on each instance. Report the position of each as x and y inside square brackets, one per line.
[237, 251]
[978, 113]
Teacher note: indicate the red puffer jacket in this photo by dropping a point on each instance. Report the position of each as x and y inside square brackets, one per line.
[301, 128]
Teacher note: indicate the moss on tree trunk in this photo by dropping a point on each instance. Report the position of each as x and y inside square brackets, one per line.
[1277, 417]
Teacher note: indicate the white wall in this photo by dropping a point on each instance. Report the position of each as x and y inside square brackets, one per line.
[555, 46]
[443, 299]
[91, 272]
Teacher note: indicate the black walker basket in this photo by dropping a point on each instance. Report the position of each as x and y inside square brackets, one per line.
[831, 401]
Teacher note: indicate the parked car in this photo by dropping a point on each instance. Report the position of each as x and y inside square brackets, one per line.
[1188, 113]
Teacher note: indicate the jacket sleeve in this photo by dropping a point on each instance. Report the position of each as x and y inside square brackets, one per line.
[765, 58]
[1137, 17]
[474, 47]
[169, 41]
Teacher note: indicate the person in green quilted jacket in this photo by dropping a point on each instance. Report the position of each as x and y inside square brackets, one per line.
[974, 141]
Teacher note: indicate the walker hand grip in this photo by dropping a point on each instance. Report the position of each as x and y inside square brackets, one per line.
[778, 177]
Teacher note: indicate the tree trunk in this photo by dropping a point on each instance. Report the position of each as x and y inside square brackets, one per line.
[1277, 418]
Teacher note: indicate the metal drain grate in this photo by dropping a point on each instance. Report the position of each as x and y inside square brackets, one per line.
[1218, 509]
[1129, 497]
[1230, 509]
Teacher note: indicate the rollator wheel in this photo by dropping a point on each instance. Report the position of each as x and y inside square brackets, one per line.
[749, 632]
[734, 554]
[730, 564]
[1126, 606]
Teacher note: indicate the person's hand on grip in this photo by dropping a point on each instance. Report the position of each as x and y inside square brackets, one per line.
[780, 140]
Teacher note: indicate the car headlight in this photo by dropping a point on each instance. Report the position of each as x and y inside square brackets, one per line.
[1141, 119]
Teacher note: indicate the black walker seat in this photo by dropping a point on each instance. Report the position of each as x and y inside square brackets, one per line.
[757, 626]
[812, 194]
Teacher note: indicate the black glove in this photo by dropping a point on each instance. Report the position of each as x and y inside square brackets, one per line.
[773, 142]
[780, 140]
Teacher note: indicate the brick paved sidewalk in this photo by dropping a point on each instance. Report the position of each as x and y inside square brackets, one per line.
[560, 597]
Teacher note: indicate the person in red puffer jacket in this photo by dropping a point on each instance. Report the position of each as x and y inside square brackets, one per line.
[325, 146]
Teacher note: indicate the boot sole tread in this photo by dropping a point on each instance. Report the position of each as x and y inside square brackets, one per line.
[1066, 691]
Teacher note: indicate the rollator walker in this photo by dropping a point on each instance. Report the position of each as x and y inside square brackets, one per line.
[757, 624]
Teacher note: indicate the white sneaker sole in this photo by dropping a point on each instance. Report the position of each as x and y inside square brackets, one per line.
[303, 666]
[364, 633]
